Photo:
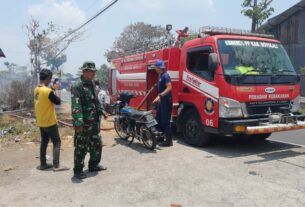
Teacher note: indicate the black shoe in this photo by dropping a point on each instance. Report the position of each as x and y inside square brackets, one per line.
[97, 168]
[80, 175]
[160, 139]
[166, 144]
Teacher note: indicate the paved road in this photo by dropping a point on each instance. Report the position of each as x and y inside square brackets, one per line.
[230, 172]
[294, 137]
[65, 96]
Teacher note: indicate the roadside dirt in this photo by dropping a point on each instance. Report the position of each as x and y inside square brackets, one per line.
[19, 150]
[18, 157]
[228, 173]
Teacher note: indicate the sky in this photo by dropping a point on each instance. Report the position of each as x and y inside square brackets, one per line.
[102, 32]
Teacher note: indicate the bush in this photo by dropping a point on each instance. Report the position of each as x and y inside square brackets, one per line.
[18, 93]
[302, 70]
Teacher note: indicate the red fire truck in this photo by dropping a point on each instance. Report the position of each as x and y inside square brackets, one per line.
[227, 82]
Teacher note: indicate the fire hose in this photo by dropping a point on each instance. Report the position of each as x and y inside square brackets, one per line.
[59, 121]
[146, 96]
[101, 129]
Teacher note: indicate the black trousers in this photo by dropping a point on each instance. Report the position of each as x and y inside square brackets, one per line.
[48, 133]
[164, 116]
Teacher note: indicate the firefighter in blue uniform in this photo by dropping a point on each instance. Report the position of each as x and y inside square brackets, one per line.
[165, 102]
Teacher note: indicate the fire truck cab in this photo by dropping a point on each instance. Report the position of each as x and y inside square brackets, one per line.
[228, 82]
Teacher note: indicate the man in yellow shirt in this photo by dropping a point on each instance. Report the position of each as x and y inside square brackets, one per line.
[46, 120]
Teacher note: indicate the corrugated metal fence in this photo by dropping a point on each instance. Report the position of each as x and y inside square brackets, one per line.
[291, 33]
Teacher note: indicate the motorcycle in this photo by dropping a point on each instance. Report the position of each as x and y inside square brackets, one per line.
[132, 123]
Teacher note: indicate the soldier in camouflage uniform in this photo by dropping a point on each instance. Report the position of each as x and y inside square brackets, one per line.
[86, 113]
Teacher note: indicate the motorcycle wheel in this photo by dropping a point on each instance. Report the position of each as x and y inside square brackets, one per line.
[119, 130]
[148, 139]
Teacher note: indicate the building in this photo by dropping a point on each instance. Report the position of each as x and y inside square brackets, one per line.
[66, 80]
[2, 53]
[289, 28]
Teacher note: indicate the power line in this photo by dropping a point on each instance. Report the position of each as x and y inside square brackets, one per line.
[95, 16]
[84, 24]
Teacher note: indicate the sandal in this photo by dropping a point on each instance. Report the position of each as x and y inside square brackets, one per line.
[60, 168]
[44, 167]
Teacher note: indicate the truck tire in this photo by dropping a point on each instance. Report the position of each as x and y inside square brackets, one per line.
[193, 132]
[260, 137]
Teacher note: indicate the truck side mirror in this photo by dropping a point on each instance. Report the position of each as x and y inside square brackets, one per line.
[213, 62]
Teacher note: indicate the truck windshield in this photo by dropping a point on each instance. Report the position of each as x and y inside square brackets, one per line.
[254, 58]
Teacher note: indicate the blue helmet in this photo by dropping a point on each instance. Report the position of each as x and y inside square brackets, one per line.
[159, 64]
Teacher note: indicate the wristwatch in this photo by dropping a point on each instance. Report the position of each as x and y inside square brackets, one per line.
[160, 95]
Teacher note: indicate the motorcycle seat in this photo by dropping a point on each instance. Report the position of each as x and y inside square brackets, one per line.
[138, 114]
[133, 113]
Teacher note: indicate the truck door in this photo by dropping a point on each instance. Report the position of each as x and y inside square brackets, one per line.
[199, 85]
[199, 96]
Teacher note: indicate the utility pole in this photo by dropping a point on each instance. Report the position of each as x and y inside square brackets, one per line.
[254, 17]
[36, 60]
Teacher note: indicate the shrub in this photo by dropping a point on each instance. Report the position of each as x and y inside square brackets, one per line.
[16, 93]
[302, 70]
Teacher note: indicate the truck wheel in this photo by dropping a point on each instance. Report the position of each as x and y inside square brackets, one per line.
[260, 137]
[193, 132]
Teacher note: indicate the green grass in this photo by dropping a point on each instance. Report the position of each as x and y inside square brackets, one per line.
[24, 130]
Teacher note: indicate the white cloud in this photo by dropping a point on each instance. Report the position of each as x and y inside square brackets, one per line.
[147, 5]
[65, 13]
[165, 5]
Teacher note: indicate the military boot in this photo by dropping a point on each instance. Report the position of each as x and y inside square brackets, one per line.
[166, 143]
[97, 168]
[80, 175]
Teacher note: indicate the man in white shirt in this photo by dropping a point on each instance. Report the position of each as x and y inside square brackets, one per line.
[103, 97]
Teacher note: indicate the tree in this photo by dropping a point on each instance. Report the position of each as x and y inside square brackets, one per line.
[102, 76]
[47, 45]
[17, 90]
[139, 37]
[15, 86]
[10, 67]
[53, 61]
[14, 72]
[257, 11]
[302, 70]
[192, 34]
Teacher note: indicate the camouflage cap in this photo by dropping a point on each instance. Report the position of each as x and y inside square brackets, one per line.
[88, 65]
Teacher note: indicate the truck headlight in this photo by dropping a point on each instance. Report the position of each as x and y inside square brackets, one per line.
[296, 104]
[229, 108]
